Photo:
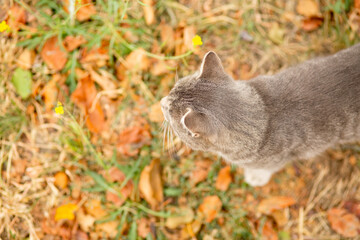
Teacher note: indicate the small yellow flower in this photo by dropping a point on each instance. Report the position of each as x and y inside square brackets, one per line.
[4, 26]
[197, 40]
[59, 108]
[66, 212]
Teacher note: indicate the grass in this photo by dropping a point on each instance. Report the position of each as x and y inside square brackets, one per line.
[44, 144]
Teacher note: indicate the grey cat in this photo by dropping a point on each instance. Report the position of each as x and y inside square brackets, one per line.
[263, 123]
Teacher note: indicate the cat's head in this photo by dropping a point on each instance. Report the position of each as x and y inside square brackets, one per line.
[198, 105]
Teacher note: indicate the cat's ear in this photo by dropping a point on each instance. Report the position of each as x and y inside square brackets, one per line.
[211, 67]
[196, 123]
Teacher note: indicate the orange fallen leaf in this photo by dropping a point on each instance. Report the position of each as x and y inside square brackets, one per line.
[116, 175]
[343, 222]
[167, 36]
[50, 92]
[133, 138]
[26, 59]
[86, 221]
[353, 207]
[150, 184]
[224, 179]
[268, 232]
[61, 180]
[149, 11]
[280, 217]
[71, 42]
[16, 17]
[137, 60]
[357, 4]
[66, 212]
[84, 9]
[143, 228]
[311, 24]
[189, 34]
[84, 96]
[308, 8]
[97, 56]
[109, 228]
[94, 208]
[268, 205]
[53, 55]
[210, 207]
[156, 114]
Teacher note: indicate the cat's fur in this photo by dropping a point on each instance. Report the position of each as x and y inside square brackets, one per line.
[263, 123]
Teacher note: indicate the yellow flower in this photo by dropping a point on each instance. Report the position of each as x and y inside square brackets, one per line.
[66, 212]
[197, 40]
[59, 108]
[4, 26]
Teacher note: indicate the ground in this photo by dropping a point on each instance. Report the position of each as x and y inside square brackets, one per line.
[82, 148]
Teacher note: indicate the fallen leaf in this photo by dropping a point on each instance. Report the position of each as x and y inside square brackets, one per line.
[167, 36]
[268, 232]
[276, 33]
[143, 228]
[137, 60]
[149, 11]
[210, 207]
[125, 192]
[267, 206]
[133, 138]
[66, 212]
[61, 180]
[110, 228]
[86, 221]
[311, 24]
[280, 217]
[22, 81]
[353, 207]
[93, 207]
[200, 172]
[224, 179]
[50, 92]
[189, 34]
[71, 42]
[352, 160]
[84, 9]
[97, 56]
[84, 96]
[150, 185]
[190, 230]
[186, 215]
[80, 235]
[308, 8]
[16, 17]
[344, 223]
[159, 68]
[357, 4]
[26, 59]
[156, 114]
[53, 55]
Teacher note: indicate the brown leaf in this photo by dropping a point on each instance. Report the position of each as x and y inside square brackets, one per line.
[53, 55]
[352, 160]
[353, 207]
[210, 207]
[97, 56]
[16, 17]
[357, 4]
[84, 96]
[125, 192]
[26, 59]
[109, 228]
[133, 138]
[224, 179]
[84, 9]
[71, 42]
[267, 206]
[156, 114]
[61, 180]
[311, 24]
[149, 12]
[200, 171]
[80, 235]
[308, 8]
[137, 60]
[343, 222]
[280, 217]
[143, 228]
[167, 36]
[85, 221]
[50, 92]
[94, 208]
[268, 233]
[150, 185]
[189, 34]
